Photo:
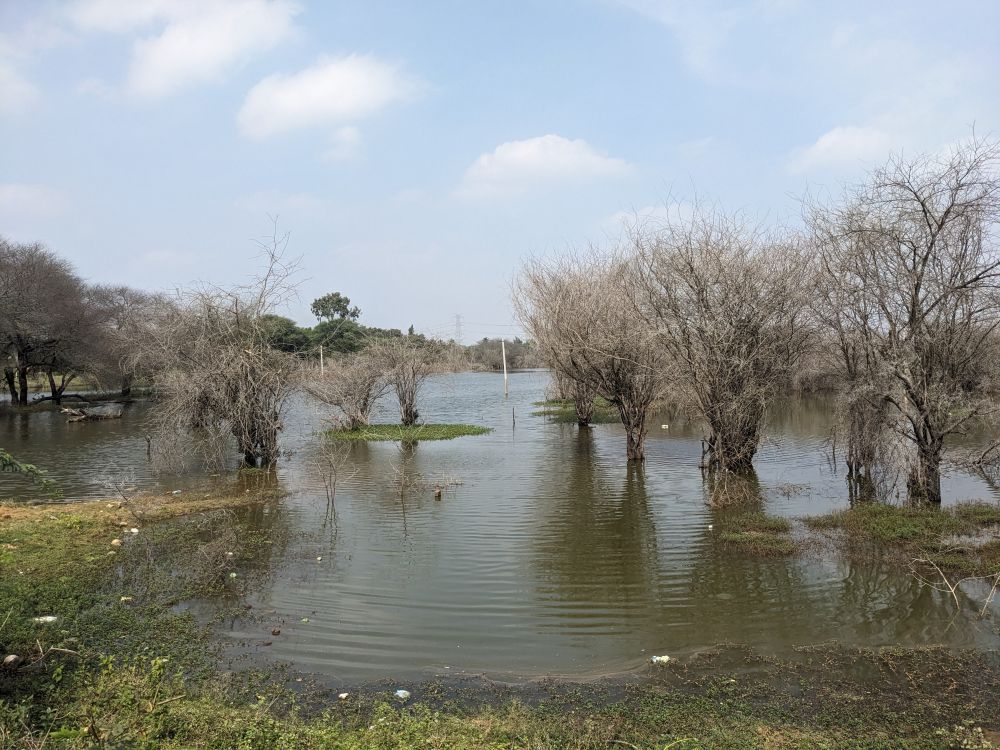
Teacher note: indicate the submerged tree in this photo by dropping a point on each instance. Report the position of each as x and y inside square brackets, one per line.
[353, 384]
[406, 367]
[217, 378]
[725, 299]
[910, 257]
[581, 393]
[577, 308]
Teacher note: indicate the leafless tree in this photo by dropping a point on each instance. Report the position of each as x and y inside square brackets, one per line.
[577, 308]
[406, 366]
[353, 384]
[47, 321]
[911, 266]
[725, 299]
[217, 379]
[582, 394]
[124, 314]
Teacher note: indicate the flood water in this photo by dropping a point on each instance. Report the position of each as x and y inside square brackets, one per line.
[546, 553]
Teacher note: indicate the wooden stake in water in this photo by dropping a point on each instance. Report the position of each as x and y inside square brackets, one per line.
[503, 351]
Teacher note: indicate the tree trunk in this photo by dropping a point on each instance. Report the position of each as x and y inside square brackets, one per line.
[407, 408]
[732, 449]
[11, 384]
[924, 483]
[584, 405]
[22, 378]
[126, 385]
[634, 421]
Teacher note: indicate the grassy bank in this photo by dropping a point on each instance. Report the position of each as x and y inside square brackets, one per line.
[121, 667]
[408, 433]
[564, 410]
[958, 539]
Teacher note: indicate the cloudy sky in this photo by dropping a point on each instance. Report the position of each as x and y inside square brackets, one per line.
[417, 151]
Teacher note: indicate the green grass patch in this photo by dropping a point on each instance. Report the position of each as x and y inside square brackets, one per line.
[756, 533]
[564, 411]
[760, 543]
[408, 434]
[923, 531]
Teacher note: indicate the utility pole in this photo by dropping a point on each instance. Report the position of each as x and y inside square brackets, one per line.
[503, 351]
[320, 359]
[458, 329]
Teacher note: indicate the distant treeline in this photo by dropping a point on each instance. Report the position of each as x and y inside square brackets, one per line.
[59, 331]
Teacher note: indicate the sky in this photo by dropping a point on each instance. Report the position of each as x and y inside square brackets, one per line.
[417, 152]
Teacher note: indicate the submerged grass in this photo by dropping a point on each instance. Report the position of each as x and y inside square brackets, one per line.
[564, 410]
[120, 668]
[408, 433]
[756, 533]
[926, 531]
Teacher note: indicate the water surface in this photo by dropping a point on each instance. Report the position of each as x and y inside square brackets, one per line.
[546, 553]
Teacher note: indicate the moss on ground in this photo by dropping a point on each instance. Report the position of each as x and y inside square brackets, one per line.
[121, 668]
[925, 532]
[408, 433]
[756, 533]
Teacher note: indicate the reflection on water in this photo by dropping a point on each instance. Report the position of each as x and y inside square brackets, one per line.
[546, 553]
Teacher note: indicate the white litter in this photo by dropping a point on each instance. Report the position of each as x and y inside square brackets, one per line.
[44, 619]
[343, 696]
[660, 659]
[403, 695]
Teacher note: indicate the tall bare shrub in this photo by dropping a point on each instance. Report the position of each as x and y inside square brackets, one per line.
[726, 300]
[217, 379]
[911, 258]
[577, 308]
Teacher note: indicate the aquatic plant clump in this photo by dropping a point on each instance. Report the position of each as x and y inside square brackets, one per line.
[408, 433]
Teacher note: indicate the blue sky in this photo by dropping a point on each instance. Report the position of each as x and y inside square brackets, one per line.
[417, 152]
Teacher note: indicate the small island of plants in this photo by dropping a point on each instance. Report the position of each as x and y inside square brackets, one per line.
[408, 433]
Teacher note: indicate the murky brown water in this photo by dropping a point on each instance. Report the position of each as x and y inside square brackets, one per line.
[546, 555]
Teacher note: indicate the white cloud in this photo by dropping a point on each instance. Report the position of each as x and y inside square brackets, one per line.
[198, 40]
[519, 165]
[345, 143]
[17, 95]
[332, 91]
[843, 146]
[19, 200]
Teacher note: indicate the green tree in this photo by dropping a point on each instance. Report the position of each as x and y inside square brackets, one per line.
[284, 335]
[333, 306]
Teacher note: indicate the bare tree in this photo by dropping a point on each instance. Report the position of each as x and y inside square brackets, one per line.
[725, 299]
[910, 260]
[406, 367]
[124, 313]
[577, 309]
[353, 384]
[47, 322]
[217, 379]
[581, 393]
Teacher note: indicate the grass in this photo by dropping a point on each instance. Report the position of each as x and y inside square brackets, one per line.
[923, 531]
[756, 533]
[408, 434]
[134, 673]
[564, 410]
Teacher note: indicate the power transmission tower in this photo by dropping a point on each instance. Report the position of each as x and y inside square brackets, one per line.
[458, 329]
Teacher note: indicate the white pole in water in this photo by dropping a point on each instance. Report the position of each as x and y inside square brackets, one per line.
[503, 351]
[320, 359]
